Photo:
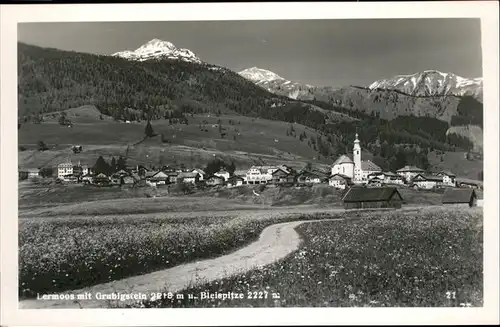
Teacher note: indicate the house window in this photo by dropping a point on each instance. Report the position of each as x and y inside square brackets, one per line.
[343, 169]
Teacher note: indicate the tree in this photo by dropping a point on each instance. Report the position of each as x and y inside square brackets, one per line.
[62, 118]
[121, 163]
[101, 166]
[113, 165]
[42, 146]
[231, 168]
[149, 130]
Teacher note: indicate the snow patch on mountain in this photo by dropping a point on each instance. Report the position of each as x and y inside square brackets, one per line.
[158, 49]
[432, 82]
[255, 74]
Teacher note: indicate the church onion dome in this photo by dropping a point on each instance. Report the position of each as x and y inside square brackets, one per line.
[343, 159]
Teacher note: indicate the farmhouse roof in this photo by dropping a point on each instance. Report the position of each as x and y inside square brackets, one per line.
[447, 173]
[458, 195]
[429, 178]
[199, 171]
[340, 176]
[343, 159]
[369, 166]
[187, 175]
[280, 169]
[150, 173]
[216, 177]
[410, 169]
[360, 194]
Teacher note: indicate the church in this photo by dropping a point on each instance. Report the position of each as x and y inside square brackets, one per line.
[357, 169]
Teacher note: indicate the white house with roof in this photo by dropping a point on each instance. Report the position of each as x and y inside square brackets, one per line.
[263, 174]
[64, 169]
[200, 172]
[356, 169]
[448, 178]
[409, 172]
[223, 173]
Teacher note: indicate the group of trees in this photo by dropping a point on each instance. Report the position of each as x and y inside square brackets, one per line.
[470, 112]
[217, 164]
[101, 166]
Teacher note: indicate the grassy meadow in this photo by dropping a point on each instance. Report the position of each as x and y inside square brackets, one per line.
[66, 253]
[420, 258]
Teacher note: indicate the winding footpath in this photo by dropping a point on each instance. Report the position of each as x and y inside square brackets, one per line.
[275, 242]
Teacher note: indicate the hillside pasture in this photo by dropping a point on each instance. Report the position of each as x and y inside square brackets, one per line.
[457, 163]
[247, 141]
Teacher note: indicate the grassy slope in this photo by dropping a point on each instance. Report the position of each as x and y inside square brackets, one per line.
[457, 163]
[255, 144]
[472, 132]
[385, 259]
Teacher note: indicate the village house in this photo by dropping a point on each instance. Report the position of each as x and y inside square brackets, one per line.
[172, 177]
[466, 183]
[307, 178]
[190, 178]
[33, 172]
[214, 181]
[86, 170]
[380, 197]
[168, 169]
[460, 197]
[339, 181]
[409, 172]
[223, 173]
[448, 178]
[64, 170]
[263, 174]
[200, 172]
[130, 179]
[385, 178]
[234, 181]
[281, 177]
[427, 181]
[242, 174]
[87, 179]
[101, 179]
[157, 178]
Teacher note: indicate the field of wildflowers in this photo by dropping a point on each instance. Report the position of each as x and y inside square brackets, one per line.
[63, 253]
[422, 258]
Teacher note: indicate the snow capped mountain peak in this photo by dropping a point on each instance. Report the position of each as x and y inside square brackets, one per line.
[432, 83]
[256, 74]
[158, 49]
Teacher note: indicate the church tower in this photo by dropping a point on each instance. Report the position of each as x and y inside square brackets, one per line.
[357, 158]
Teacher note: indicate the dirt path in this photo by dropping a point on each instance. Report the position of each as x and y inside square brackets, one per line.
[275, 242]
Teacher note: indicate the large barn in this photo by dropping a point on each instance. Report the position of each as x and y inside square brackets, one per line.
[375, 197]
[464, 197]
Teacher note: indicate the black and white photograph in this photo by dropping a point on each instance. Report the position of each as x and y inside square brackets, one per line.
[252, 163]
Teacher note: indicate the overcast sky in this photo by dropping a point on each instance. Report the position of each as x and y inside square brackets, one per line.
[318, 52]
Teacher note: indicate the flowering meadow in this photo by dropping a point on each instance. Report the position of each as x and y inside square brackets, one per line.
[57, 254]
[421, 258]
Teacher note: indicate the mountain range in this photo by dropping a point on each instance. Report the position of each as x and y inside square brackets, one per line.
[422, 84]
[159, 80]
